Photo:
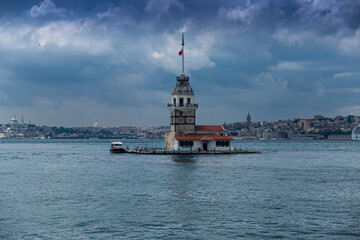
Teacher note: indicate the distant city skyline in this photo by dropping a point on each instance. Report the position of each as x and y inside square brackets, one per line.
[74, 63]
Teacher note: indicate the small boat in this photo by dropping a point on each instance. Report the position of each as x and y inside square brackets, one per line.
[355, 135]
[117, 147]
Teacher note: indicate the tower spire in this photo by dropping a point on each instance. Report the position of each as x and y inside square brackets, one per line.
[182, 49]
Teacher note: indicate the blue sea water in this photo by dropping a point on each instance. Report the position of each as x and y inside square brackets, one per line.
[76, 189]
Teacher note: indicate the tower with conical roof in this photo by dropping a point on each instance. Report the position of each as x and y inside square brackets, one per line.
[248, 120]
[182, 107]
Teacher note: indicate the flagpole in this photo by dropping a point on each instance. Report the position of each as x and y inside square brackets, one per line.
[182, 49]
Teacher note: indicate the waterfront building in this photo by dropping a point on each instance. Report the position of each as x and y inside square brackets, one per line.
[184, 134]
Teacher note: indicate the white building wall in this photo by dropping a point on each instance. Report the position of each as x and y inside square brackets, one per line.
[199, 144]
[219, 148]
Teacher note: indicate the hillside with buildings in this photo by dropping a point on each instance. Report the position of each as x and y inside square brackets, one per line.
[15, 130]
[319, 127]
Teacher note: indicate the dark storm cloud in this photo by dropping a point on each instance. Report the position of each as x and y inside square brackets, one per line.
[70, 62]
[324, 16]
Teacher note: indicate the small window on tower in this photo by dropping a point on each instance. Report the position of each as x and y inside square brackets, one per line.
[181, 101]
[174, 100]
[188, 100]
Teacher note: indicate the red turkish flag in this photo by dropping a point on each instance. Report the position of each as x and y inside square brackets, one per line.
[180, 53]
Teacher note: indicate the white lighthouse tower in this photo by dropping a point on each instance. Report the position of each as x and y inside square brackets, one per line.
[182, 107]
[184, 134]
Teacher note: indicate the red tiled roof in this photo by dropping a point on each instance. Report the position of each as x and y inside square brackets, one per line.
[209, 128]
[202, 136]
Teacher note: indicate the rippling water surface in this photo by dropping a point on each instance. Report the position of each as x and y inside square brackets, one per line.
[53, 189]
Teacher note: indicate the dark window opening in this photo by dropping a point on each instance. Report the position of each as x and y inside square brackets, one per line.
[186, 143]
[174, 100]
[181, 101]
[188, 100]
[222, 143]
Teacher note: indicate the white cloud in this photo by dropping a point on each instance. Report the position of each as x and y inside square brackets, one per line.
[72, 35]
[290, 38]
[287, 66]
[269, 82]
[111, 12]
[350, 45]
[158, 55]
[196, 56]
[15, 37]
[79, 35]
[244, 13]
[346, 74]
[46, 7]
[163, 6]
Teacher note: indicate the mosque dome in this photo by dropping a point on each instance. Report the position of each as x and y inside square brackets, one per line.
[13, 120]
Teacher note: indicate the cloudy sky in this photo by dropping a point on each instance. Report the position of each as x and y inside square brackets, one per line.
[74, 62]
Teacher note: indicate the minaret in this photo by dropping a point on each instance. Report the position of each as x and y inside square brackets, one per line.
[182, 107]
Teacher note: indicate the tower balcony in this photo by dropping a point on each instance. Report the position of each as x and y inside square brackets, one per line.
[183, 105]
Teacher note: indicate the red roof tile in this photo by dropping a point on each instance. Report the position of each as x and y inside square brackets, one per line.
[209, 128]
[202, 136]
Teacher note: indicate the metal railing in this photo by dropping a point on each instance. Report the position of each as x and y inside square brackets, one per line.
[183, 105]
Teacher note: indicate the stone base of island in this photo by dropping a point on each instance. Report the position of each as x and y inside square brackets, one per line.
[165, 152]
[191, 152]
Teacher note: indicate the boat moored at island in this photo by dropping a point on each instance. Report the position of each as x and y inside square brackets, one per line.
[355, 135]
[117, 147]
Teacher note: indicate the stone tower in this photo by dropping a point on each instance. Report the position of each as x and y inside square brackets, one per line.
[182, 107]
[248, 120]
